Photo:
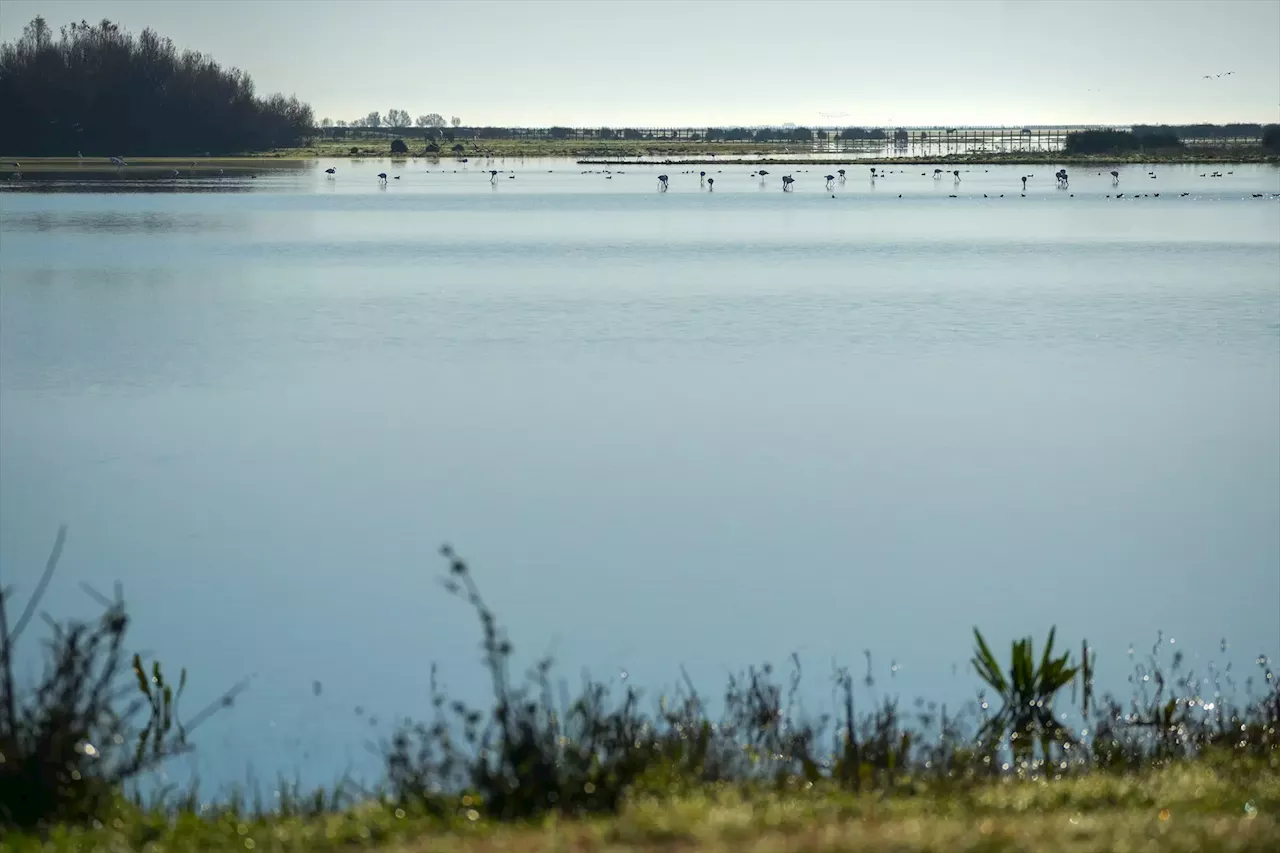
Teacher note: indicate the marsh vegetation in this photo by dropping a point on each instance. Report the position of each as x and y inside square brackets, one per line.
[1007, 768]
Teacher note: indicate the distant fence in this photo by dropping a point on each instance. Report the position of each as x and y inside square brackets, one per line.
[820, 139]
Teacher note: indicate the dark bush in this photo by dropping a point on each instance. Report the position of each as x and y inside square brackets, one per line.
[398, 147]
[70, 742]
[1271, 138]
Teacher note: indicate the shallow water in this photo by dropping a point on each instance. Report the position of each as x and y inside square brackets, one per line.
[691, 427]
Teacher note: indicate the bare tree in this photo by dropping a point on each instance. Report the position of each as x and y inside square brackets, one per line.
[326, 122]
[455, 121]
[398, 118]
[431, 120]
[373, 119]
[340, 123]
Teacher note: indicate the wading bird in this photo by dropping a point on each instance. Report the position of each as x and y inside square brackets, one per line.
[382, 176]
[331, 171]
[1115, 177]
[711, 184]
[840, 172]
[1024, 182]
[662, 183]
[493, 176]
[763, 173]
[830, 180]
[787, 181]
[957, 174]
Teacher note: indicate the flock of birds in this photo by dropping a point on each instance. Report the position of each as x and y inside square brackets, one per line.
[1061, 177]
[788, 181]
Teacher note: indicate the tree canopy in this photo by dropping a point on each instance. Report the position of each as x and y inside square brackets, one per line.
[100, 90]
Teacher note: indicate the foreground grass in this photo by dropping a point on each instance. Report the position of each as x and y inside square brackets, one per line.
[1197, 806]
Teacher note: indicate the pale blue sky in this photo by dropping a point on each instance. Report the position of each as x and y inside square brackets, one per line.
[649, 62]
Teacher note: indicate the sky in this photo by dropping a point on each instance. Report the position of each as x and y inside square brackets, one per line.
[587, 63]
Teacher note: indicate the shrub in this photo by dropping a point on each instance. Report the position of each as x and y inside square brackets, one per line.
[1271, 138]
[69, 743]
[398, 147]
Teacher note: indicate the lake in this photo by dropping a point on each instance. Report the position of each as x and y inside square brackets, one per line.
[665, 428]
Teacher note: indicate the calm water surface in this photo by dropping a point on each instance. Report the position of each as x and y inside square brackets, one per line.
[699, 428]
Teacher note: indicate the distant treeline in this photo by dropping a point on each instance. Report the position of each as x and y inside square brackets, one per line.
[1203, 131]
[101, 91]
[1145, 137]
[1120, 141]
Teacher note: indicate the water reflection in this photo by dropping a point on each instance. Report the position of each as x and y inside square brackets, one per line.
[122, 222]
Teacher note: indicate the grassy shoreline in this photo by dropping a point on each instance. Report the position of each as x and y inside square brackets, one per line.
[1169, 766]
[1195, 806]
[689, 154]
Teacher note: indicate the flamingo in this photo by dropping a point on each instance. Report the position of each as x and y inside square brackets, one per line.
[331, 171]
[1115, 177]
[116, 161]
[763, 173]
[840, 172]
[382, 177]
[493, 176]
[662, 183]
[702, 176]
[957, 174]
[937, 173]
[711, 184]
[787, 181]
[1024, 183]
[873, 172]
[830, 180]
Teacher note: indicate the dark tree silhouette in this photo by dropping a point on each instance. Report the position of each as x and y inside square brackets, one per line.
[99, 90]
[1271, 138]
[398, 147]
[1120, 141]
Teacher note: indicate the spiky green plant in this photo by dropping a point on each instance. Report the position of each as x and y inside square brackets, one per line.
[1026, 715]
